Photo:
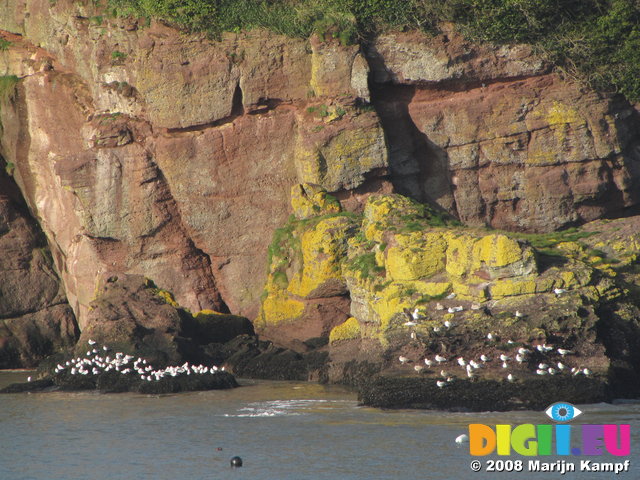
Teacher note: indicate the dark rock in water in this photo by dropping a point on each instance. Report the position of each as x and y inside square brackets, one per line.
[133, 316]
[236, 462]
[211, 327]
[114, 382]
[252, 358]
[130, 314]
[35, 386]
[482, 395]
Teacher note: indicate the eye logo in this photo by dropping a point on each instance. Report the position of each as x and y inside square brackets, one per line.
[562, 412]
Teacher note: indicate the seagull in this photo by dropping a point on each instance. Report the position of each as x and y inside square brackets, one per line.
[448, 324]
[416, 315]
[436, 329]
[563, 352]
[428, 363]
[504, 358]
[489, 336]
[543, 366]
[519, 358]
[440, 383]
[561, 366]
[439, 306]
[443, 374]
[414, 335]
[544, 348]
[91, 342]
[451, 296]
[459, 308]
[541, 372]
[460, 439]
[484, 358]
[586, 371]
[474, 364]
[511, 378]
[523, 351]
[28, 379]
[410, 324]
[403, 359]
[418, 368]
[440, 359]
[519, 314]
[552, 371]
[475, 306]
[559, 291]
[505, 365]
[461, 362]
[450, 310]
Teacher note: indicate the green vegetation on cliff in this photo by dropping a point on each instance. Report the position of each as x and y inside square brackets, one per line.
[597, 41]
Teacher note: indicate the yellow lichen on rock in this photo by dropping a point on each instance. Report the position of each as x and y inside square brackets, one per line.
[323, 248]
[470, 291]
[459, 254]
[381, 211]
[560, 114]
[309, 200]
[348, 330]
[342, 156]
[167, 297]
[501, 256]
[278, 307]
[416, 256]
[430, 289]
[391, 302]
[511, 286]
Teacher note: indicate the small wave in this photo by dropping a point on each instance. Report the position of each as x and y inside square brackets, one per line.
[274, 408]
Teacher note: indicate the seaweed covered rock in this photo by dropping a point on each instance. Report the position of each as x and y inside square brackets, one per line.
[107, 371]
[485, 395]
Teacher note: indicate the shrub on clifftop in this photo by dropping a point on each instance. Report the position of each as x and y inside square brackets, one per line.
[595, 40]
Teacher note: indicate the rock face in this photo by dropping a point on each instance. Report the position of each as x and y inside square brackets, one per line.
[184, 149]
[35, 319]
[497, 140]
[132, 315]
[143, 152]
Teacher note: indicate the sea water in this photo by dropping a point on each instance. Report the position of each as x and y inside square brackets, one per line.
[281, 430]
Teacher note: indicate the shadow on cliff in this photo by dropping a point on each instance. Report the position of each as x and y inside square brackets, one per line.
[419, 168]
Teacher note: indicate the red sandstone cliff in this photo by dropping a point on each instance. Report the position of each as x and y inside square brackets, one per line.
[142, 150]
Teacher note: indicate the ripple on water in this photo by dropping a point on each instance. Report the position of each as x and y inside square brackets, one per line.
[274, 408]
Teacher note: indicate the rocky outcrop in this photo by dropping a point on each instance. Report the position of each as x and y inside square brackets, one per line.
[184, 148]
[132, 315]
[494, 138]
[35, 318]
[421, 287]
[143, 152]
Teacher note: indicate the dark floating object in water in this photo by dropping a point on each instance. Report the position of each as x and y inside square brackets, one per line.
[236, 462]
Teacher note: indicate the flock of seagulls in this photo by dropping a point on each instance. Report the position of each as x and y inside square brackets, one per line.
[97, 361]
[472, 366]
